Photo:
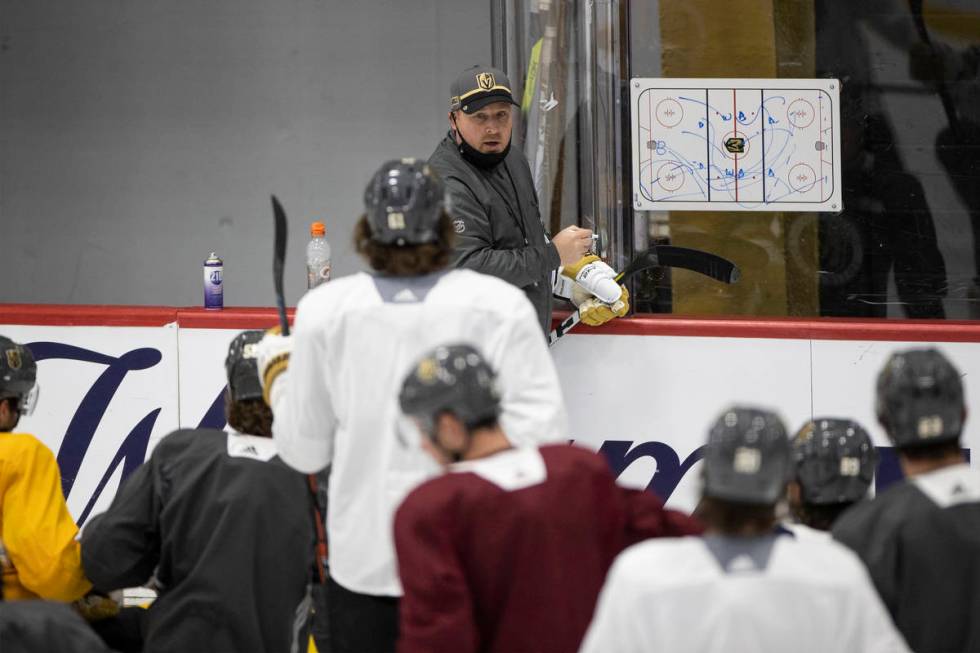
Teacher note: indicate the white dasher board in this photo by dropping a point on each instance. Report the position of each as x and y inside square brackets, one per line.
[736, 144]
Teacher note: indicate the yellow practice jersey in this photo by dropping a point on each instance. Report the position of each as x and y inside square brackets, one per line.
[39, 554]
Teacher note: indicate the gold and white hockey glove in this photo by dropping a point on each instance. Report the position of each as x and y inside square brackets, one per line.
[595, 312]
[598, 297]
[272, 359]
[593, 274]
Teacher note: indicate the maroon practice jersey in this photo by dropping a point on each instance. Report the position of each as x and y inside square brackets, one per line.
[508, 553]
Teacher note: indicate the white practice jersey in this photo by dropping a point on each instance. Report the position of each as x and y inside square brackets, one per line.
[356, 339]
[735, 595]
[804, 532]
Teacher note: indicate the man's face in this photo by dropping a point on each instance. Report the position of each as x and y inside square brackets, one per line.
[487, 129]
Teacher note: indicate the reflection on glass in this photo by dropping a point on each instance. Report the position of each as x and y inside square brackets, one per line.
[907, 243]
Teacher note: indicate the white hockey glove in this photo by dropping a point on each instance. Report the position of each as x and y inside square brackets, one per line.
[598, 297]
[596, 276]
[272, 359]
[595, 312]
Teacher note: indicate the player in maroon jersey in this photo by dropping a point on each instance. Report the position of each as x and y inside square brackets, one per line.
[507, 550]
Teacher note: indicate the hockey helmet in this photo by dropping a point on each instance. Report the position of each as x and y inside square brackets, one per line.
[919, 399]
[241, 366]
[18, 375]
[404, 202]
[833, 461]
[747, 457]
[450, 379]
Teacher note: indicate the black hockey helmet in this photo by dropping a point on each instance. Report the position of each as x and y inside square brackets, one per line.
[241, 367]
[833, 461]
[18, 375]
[404, 201]
[747, 457]
[919, 399]
[450, 379]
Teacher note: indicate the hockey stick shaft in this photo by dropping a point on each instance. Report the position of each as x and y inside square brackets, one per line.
[278, 262]
[706, 263]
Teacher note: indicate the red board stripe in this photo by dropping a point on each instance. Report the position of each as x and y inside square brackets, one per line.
[795, 328]
[638, 325]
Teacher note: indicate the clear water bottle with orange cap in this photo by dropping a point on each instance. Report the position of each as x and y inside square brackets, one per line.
[317, 256]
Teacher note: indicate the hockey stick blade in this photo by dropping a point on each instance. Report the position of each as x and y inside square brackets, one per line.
[710, 265]
[278, 261]
[706, 263]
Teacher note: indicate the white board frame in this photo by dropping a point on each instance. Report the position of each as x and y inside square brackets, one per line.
[716, 193]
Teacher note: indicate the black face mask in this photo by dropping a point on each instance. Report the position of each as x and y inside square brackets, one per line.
[480, 159]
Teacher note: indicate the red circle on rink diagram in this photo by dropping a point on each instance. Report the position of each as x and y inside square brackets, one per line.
[670, 176]
[800, 113]
[801, 177]
[669, 112]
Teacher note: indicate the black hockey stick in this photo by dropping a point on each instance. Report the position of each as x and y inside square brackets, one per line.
[278, 260]
[706, 263]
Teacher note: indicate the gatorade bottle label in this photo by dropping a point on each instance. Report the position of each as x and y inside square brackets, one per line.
[315, 276]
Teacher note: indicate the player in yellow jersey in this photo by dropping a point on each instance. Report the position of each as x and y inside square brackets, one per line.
[39, 555]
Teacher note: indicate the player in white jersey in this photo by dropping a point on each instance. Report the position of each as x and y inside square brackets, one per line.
[743, 587]
[833, 466]
[335, 398]
[921, 538]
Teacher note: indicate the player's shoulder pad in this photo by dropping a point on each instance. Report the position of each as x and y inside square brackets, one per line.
[575, 455]
[489, 291]
[180, 441]
[824, 553]
[663, 553]
[326, 299]
[430, 499]
[18, 445]
[878, 519]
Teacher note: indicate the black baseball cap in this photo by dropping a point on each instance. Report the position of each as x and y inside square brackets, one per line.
[479, 86]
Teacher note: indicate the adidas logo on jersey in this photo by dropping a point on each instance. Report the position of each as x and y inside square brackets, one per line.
[405, 295]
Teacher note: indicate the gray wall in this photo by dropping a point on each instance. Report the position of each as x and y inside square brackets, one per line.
[137, 136]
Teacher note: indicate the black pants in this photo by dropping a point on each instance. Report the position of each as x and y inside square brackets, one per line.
[361, 623]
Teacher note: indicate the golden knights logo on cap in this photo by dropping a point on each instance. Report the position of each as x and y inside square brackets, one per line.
[14, 360]
[485, 81]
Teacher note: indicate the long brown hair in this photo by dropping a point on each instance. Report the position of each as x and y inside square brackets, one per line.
[736, 518]
[408, 260]
[249, 416]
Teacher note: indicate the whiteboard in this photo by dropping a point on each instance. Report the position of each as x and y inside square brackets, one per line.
[736, 144]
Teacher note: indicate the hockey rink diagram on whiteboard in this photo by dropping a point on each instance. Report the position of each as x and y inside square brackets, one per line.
[736, 144]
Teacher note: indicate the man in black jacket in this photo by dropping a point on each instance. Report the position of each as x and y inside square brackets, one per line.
[495, 208]
[224, 527]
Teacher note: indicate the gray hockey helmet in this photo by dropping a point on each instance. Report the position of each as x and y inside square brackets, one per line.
[747, 457]
[404, 201]
[833, 461]
[450, 379]
[18, 375]
[241, 366]
[919, 399]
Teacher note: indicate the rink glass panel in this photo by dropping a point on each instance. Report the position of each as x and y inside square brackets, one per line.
[905, 244]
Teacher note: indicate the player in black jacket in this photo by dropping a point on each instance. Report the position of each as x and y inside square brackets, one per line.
[223, 527]
[921, 538]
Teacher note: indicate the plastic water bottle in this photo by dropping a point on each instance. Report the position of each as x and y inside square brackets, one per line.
[214, 292]
[317, 256]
